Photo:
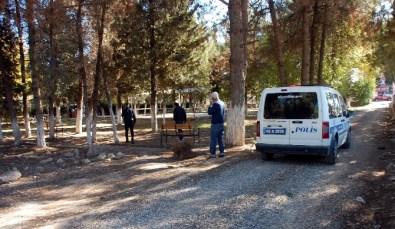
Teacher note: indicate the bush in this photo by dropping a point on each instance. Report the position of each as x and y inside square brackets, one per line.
[183, 150]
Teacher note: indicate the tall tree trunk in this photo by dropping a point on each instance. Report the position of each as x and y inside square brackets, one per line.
[98, 71]
[305, 4]
[52, 83]
[109, 103]
[333, 62]
[58, 112]
[1, 130]
[119, 108]
[8, 81]
[9, 89]
[83, 76]
[93, 108]
[153, 74]
[246, 103]
[322, 46]
[25, 102]
[238, 17]
[51, 117]
[279, 45]
[78, 120]
[35, 75]
[313, 35]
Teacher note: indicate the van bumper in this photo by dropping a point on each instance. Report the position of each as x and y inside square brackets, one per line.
[292, 149]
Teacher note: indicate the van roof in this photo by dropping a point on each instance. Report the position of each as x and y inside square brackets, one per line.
[310, 85]
[300, 88]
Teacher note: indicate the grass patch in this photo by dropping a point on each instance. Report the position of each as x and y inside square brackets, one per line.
[143, 125]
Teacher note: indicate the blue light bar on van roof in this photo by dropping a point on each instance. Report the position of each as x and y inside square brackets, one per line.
[284, 89]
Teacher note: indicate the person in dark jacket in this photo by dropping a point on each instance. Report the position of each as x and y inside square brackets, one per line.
[129, 119]
[217, 112]
[179, 117]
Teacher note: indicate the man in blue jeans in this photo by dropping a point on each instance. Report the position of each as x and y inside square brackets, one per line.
[217, 112]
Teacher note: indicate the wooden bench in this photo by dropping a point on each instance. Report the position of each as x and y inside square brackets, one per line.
[171, 129]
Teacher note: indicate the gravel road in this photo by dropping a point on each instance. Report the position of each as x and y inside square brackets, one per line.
[238, 191]
[288, 192]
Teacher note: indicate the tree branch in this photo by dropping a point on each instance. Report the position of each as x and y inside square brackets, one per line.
[223, 1]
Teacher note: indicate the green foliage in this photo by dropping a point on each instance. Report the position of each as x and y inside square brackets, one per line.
[177, 51]
[8, 61]
[357, 79]
[57, 39]
[385, 48]
[347, 47]
[363, 90]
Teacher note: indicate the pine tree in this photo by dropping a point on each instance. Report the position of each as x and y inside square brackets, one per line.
[157, 45]
[36, 81]
[8, 63]
[26, 103]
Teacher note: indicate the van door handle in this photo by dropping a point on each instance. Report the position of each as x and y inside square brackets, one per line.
[299, 122]
[342, 120]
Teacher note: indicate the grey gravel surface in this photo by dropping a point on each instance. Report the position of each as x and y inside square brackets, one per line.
[289, 192]
[238, 191]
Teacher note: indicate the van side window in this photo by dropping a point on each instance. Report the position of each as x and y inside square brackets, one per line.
[331, 105]
[335, 107]
[344, 106]
[338, 106]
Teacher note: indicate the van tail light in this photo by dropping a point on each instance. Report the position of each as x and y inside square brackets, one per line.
[325, 130]
[258, 128]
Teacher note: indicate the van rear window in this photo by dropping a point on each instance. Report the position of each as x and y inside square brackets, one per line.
[295, 105]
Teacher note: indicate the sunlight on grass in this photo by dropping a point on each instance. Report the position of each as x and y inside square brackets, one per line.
[205, 125]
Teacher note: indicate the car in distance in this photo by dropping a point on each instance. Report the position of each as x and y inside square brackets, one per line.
[383, 97]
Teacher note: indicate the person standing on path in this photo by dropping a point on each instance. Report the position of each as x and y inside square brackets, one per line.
[217, 112]
[129, 119]
[179, 117]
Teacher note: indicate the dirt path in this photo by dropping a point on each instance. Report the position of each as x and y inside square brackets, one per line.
[150, 189]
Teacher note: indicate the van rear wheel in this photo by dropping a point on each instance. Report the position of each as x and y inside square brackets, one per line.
[332, 154]
[267, 156]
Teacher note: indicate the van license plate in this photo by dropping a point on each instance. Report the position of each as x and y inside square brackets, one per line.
[275, 131]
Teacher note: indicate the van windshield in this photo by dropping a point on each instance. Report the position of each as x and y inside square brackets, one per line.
[295, 105]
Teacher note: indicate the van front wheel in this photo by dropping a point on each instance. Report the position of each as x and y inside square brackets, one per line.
[332, 154]
[267, 156]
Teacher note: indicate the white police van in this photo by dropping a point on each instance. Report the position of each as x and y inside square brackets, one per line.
[305, 120]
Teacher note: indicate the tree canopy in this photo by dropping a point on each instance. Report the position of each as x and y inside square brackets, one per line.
[150, 49]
